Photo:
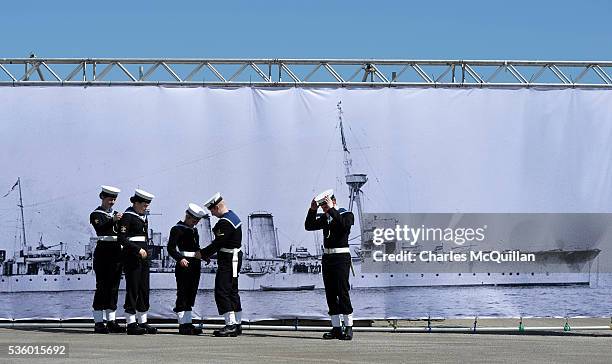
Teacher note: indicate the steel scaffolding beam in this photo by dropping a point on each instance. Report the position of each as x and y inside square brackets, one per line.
[303, 73]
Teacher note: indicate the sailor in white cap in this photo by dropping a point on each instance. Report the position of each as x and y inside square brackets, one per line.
[133, 229]
[226, 243]
[106, 262]
[336, 225]
[184, 247]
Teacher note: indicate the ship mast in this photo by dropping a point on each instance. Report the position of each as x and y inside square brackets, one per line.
[22, 219]
[354, 181]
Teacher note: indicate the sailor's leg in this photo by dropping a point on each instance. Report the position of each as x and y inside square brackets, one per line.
[143, 299]
[194, 282]
[132, 286]
[235, 295]
[344, 286]
[142, 303]
[331, 285]
[187, 283]
[223, 288]
[115, 280]
[182, 289]
[131, 268]
[101, 268]
[343, 295]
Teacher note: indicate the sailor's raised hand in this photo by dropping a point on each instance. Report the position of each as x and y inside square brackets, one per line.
[329, 202]
[313, 205]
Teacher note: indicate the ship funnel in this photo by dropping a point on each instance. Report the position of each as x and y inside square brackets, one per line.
[204, 230]
[263, 242]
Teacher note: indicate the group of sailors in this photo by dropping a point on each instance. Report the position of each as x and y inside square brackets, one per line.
[122, 247]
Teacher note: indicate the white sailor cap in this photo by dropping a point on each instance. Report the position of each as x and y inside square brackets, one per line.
[109, 191]
[320, 199]
[195, 211]
[211, 202]
[142, 196]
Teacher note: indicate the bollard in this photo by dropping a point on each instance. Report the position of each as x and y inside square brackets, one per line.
[566, 327]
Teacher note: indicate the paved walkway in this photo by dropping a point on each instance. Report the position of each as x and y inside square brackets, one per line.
[307, 347]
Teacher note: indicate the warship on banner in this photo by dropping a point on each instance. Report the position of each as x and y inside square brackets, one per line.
[51, 268]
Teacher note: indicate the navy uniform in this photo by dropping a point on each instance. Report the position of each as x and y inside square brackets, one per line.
[133, 235]
[184, 243]
[106, 262]
[336, 225]
[227, 243]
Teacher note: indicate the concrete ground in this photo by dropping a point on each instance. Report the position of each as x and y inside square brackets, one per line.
[553, 346]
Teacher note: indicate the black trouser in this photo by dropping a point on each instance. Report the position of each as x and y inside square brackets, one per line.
[136, 284]
[336, 269]
[226, 286]
[187, 281]
[107, 266]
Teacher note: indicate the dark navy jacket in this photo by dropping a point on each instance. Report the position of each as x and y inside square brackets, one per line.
[183, 238]
[131, 225]
[336, 226]
[227, 232]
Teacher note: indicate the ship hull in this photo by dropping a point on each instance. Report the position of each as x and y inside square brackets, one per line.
[86, 282]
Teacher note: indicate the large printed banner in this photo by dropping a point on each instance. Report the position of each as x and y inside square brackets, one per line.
[269, 151]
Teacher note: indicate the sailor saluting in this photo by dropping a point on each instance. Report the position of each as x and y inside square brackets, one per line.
[106, 262]
[226, 243]
[336, 225]
[184, 247]
[133, 228]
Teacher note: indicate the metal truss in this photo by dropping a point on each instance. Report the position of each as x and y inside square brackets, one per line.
[304, 73]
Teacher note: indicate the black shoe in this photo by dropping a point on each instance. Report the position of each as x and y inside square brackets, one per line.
[114, 327]
[227, 330]
[335, 333]
[239, 329]
[189, 329]
[149, 329]
[347, 334]
[99, 328]
[134, 329]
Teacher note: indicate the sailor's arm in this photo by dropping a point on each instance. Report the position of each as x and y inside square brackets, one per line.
[313, 223]
[122, 235]
[175, 235]
[196, 237]
[100, 221]
[222, 231]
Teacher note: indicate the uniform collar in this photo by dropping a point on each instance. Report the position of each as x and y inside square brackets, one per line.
[340, 211]
[131, 210]
[232, 218]
[181, 223]
[100, 208]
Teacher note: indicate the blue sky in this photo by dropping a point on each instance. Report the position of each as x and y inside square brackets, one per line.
[518, 29]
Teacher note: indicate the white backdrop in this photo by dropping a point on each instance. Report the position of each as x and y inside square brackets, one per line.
[424, 150]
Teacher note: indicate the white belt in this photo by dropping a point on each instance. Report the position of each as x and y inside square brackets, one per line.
[336, 250]
[107, 238]
[138, 238]
[234, 259]
[187, 254]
